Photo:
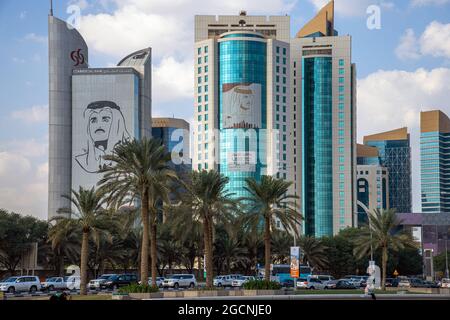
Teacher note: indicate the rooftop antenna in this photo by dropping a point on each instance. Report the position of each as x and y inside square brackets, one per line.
[51, 7]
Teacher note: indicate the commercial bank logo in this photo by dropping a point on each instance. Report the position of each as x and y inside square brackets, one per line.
[77, 57]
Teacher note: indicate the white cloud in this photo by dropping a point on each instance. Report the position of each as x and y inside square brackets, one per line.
[24, 185]
[352, 7]
[173, 80]
[82, 4]
[422, 3]
[392, 99]
[35, 38]
[434, 41]
[35, 114]
[23, 15]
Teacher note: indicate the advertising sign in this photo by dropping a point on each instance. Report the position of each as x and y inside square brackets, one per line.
[295, 263]
[241, 106]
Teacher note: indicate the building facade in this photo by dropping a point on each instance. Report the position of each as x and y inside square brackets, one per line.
[242, 98]
[435, 161]
[372, 183]
[175, 135]
[395, 154]
[323, 110]
[91, 111]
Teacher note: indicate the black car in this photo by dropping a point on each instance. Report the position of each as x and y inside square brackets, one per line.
[344, 284]
[288, 283]
[119, 280]
[417, 283]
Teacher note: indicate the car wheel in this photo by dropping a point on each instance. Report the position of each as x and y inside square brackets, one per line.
[312, 288]
[51, 288]
[192, 285]
[176, 286]
[326, 288]
[33, 289]
[219, 285]
[11, 290]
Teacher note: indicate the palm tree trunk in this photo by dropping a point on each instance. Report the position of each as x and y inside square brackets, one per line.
[208, 253]
[84, 262]
[145, 231]
[384, 265]
[153, 248]
[267, 248]
[61, 265]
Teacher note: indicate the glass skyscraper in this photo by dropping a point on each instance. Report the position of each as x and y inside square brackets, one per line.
[395, 154]
[324, 135]
[435, 161]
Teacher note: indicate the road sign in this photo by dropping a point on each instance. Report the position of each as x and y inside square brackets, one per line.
[395, 273]
[295, 265]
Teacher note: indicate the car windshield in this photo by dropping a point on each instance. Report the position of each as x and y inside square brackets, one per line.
[106, 276]
[12, 279]
[52, 279]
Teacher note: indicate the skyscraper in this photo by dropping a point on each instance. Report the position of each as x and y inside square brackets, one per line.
[395, 154]
[324, 125]
[372, 182]
[435, 161]
[242, 95]
[91, 110]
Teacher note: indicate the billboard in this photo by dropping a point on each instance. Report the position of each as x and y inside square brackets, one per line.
[241, 106]
[104, 114]
[295, 262]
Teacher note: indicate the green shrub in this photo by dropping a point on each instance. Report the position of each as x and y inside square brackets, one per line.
[137, 288]
[262, 285]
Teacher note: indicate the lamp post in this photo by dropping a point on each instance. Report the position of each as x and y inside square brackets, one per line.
[446, 256]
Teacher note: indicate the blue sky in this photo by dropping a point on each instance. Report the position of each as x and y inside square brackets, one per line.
[403, 68]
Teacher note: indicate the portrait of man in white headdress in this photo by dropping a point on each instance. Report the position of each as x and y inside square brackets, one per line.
[105, 128]
[241, 106]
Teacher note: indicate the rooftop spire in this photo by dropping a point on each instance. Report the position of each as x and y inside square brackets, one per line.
[322, 23]
[51, 7]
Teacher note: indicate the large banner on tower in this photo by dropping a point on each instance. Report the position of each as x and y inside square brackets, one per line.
[105, 114]
[241, 106]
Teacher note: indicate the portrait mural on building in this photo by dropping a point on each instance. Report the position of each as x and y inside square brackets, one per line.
[241, 107]
[105, 127]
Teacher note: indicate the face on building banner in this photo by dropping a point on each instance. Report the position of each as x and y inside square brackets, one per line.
[295, 263]
[241, 106]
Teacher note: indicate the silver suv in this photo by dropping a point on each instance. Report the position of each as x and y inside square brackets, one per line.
[225, 281]
[19, 284]
[180, 281]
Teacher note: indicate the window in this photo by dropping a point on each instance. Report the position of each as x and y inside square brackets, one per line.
[199, 80]
[206, 98]
[206, 78]
[206, 88]
[278, 59]
[199, 99]
[284, 60]
[341, 97]
[199, 70]
[206, 49]
[278, 49]
[199, 118]
[199, 167]
[284, 51]
[341, 71]
[341, 106]
[206, 107]
[206, 59]
[341, 88]
[199, 108]
[206, 68]
[341, 62]
[206, 127]
[341, 79]
[199, 156]
[277, 69]
[206, 166]
[206, 117]
[199, 90]
[199, 50]
[284, 70]
[199, 60]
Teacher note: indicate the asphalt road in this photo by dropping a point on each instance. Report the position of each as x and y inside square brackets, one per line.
[328, 297]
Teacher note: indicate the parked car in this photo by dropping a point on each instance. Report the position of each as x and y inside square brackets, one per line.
[403, 282]
[315, 283]
[431, 284]
[72, 282]
[344, 284]
[180, 281]
[445, 283]
[302, 283]
[226, 280]
[391, 282]
[95, 284]
[53, 283]
[20, 284]
[116, 281]
[239, 282]
[357, 281]
[417, 283]
[324, 278]
[331, 284]
[159, 281]
[287, 283]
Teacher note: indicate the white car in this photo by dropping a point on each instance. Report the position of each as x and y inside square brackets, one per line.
[315, 283]
[159, 281]
[225, 281]
[239, 282]
[21, 284]
[95, 284]
[53, 283]
[445, 283]
[180, 281]
[302, 283]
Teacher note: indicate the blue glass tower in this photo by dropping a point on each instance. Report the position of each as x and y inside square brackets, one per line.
[435, 161]
[242, 59]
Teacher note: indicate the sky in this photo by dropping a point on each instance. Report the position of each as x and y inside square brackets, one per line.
[403, 67]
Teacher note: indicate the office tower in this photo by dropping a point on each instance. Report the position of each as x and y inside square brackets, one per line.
[395, 154]
[372, 184]
[175, 135]
[324, 125]
[91, 110]
[242, 96]
[435, 161]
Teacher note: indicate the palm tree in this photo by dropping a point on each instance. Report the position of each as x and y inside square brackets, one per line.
[281, 242]
[65, 243]
[91, 218]
[314, 252]
[140, 171]
[206, 201]
[269, 200]
[383, 232]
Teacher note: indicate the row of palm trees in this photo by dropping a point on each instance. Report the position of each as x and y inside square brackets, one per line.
[140, 178]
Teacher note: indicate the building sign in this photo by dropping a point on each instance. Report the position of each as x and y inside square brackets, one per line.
[104, 114]
[243, 161]
[241, 106]
[295, 262]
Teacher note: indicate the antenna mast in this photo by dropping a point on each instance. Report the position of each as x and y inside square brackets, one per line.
[51, 7]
